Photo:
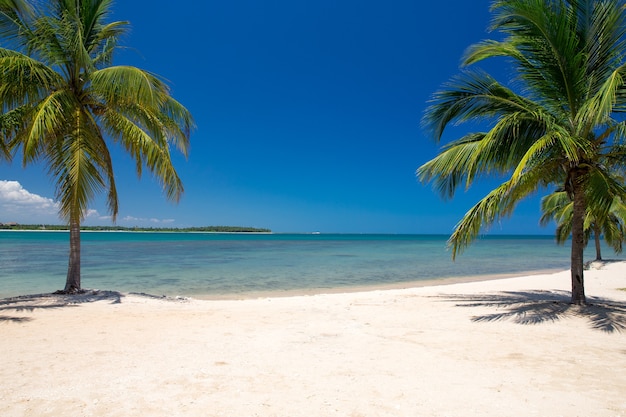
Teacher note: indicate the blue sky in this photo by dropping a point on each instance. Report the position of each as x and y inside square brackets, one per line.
[308, 117]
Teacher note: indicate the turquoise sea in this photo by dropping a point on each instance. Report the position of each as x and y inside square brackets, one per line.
[211, 265]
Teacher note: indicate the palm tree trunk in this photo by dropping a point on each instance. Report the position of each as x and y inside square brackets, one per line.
[596, 233]
[578, 237]
[72, 284]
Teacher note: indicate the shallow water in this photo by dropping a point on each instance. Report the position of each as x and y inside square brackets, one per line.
[213, 264]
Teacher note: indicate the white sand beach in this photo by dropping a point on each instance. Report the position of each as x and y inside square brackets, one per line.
[508, 347]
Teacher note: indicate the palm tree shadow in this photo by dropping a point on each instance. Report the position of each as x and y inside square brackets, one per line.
[537, 307]
[30, 303]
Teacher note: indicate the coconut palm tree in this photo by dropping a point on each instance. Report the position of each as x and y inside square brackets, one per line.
[550, 128]
[64, 104]
[612, 224]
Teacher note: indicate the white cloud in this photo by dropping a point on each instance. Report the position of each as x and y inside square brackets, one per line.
[93, 214]
[12, 193]
[19, 205]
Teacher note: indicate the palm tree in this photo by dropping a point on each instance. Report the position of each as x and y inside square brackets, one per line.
[612, 224]
[64, 103]
[551, 128]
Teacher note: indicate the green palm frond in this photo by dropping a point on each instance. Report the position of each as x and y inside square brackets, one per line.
[125, 85]
[61, 101]
[148, 146]
[556, 206]
[472, 95]
[23, 79]
[618, 131]
[14, 18]
[179, 124]
[450, 167]
[558, 129]
[603, 29]
[81, 164]
[489, 49]
[12, 123]
[107, 43]
[605, 214]
[598, 109]
[49, 121]
[495, 205]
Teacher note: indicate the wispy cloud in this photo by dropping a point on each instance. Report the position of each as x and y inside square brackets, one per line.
[128, 220]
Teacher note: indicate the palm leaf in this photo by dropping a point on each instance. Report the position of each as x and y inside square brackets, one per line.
[125, 85]
[62, 104]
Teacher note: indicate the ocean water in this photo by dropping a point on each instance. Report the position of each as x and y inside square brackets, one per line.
[210, 264]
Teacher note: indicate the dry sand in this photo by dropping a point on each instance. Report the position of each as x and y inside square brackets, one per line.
[510, 347]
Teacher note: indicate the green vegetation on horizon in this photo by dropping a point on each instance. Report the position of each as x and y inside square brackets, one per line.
[216, 229]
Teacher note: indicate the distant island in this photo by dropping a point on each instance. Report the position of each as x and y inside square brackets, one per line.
[214, 229]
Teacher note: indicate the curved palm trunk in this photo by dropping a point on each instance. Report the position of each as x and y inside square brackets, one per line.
[596, 233]
[578, 238]
[72, 284]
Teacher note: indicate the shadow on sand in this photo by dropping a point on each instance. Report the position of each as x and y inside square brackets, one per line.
[30, 303]
[536, 307]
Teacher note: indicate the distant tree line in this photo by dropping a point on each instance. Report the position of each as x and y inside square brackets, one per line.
[215, 229]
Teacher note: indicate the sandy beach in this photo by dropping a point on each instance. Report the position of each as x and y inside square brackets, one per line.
[508, 347]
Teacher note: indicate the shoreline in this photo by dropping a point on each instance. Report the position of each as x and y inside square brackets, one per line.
[309, 292]
[508, 346]
[244, 266]
[349, 289]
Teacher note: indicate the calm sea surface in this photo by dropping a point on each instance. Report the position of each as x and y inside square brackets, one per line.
[208, 264]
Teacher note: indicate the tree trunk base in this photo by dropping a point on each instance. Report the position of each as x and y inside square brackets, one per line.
[70, 291]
